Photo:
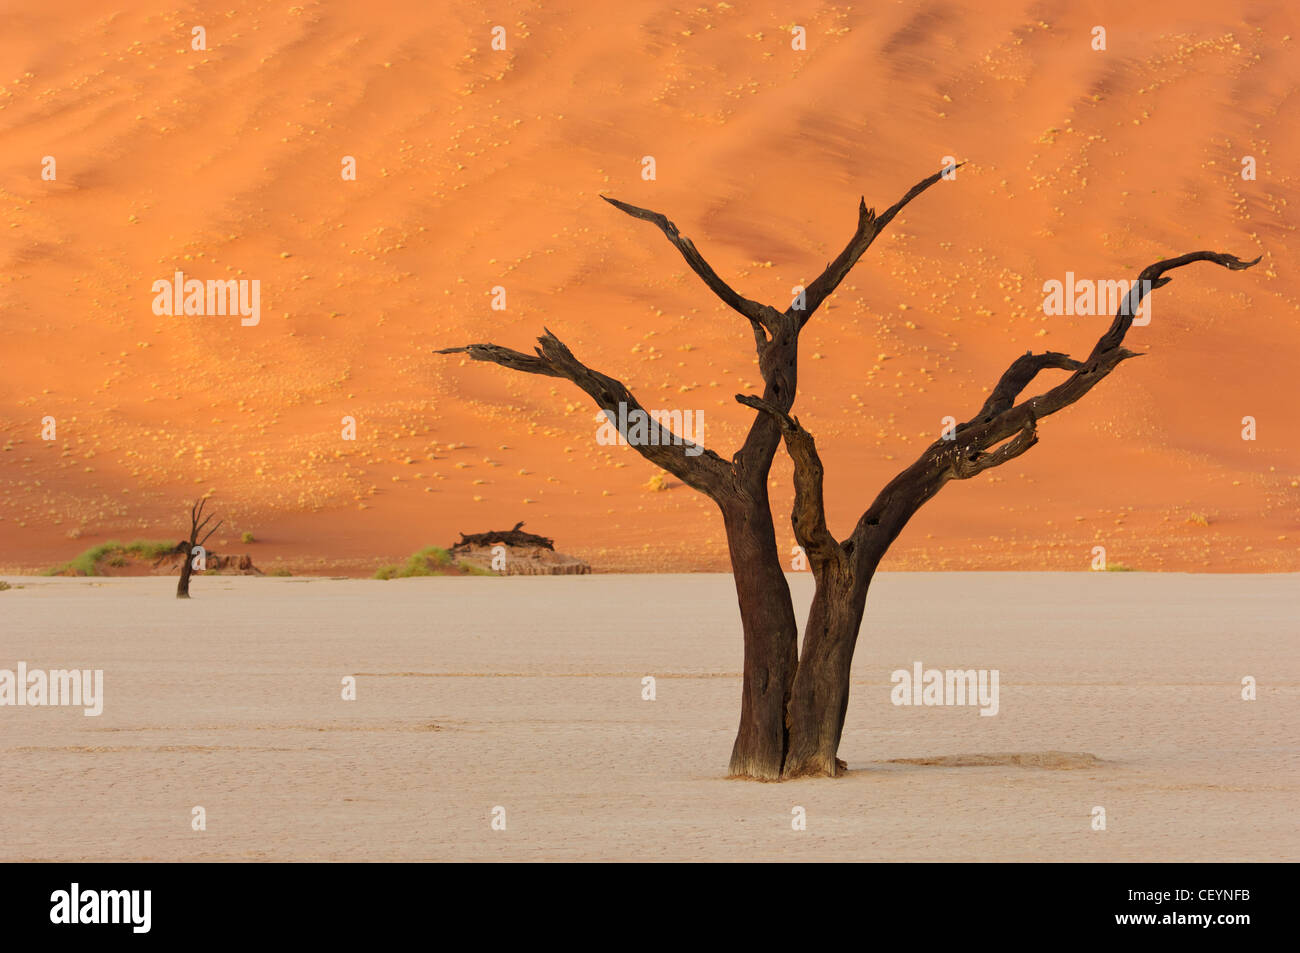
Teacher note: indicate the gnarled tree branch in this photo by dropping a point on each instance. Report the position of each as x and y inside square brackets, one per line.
[1015, 379]
[1148, 281]
[196, 527]
[761, 316]
[809, 515]
[778, 356]
[976, 444]
[966, 466]
[869, 226]
[691, 463]
[515, 360]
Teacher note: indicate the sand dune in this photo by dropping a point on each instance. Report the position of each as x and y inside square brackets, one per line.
[481, 168]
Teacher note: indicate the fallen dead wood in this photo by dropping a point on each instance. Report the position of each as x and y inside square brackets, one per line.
[508, 537]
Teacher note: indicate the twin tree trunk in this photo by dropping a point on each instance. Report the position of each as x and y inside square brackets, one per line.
[794, 700]
[770, 632]
[820, 699]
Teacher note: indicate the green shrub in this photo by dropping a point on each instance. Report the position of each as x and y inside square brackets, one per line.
[85, 563]
[430, 561]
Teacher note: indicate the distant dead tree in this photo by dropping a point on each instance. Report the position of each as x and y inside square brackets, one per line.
[188, 547]
[793, 705]
[509, 537]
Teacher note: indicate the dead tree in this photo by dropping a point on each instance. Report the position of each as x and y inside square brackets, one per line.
[186, 547]
[792, 708]
[737, 486]
[510, 537]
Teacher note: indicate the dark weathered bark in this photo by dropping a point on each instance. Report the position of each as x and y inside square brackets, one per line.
[820, 690]
[186, 547]
[842, 572]
[770, 638]
[820, 699]
[183, 586]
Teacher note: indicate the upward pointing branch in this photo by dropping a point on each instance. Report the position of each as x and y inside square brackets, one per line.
[869, 226]
[198, 522]
[210, 532]
[1003, 429]
[761, 316]
[808, 517]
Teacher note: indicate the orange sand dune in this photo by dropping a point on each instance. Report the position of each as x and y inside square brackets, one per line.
[479, 168]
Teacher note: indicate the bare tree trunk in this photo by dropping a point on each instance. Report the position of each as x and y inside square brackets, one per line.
[183, 586]
[770, 638]
[820, 698]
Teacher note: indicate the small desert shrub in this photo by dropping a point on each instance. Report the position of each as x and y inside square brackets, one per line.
[4, 585]
[1200, 519]
[281, 572]
[150, 550]
[657, 482]
[434, 555]
[84, 564]
[1118, 567]
[247, 538]
[430, 561]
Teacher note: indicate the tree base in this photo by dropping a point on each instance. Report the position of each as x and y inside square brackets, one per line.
[837, 770]
[754, 769]
[815, 768]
